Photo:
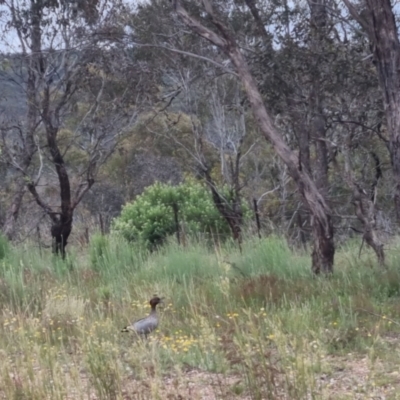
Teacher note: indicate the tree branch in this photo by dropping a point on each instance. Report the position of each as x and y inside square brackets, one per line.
[53, 215]
[356, 15]
[188, 53]
[197, 26]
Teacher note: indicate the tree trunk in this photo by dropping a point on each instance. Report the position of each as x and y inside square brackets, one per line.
[324, 248]
[60, 232]
[323, 257]
[379, 22]
[367, 215]
[365, 205]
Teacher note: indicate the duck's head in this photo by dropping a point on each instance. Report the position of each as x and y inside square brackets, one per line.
[154, 301]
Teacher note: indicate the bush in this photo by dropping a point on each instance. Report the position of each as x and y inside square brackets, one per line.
[150, 218]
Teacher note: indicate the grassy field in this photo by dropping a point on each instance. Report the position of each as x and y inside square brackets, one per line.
[254, 325]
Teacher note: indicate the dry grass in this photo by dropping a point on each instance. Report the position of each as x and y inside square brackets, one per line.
[273, 333]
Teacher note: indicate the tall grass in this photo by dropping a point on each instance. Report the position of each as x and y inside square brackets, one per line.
[252, 324]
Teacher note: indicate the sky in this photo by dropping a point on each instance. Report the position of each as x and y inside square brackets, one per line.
[9, 42]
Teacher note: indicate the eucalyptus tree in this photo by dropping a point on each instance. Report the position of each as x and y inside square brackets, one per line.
[79, 96]
[223, 38]
[320, 84]
[377, 19]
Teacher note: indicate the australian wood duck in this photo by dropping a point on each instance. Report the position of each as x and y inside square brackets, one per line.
[146, 325]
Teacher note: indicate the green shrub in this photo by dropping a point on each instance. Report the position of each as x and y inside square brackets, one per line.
[150, 218]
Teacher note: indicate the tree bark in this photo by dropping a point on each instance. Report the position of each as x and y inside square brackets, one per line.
[380, 25]
[321, 250]
[323, 257]
[318, 130]
[62, 225]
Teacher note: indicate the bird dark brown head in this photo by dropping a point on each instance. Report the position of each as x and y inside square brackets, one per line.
[154, 301]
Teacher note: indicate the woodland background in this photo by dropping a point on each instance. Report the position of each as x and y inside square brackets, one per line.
[101, 99]
[200, 151]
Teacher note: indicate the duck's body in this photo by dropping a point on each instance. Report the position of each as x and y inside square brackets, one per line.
[146, 325]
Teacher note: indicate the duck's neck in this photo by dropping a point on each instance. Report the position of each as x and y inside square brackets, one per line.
[153, 309]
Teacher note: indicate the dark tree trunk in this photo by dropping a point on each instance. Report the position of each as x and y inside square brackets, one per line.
[379, 22]
[322, 251]
[60, 232]
[62, 226]
[324, 248]
[323, 257]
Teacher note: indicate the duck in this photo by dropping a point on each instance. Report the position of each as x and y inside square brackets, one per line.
[144, 326]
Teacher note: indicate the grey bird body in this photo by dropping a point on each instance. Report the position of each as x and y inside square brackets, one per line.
[146, 325]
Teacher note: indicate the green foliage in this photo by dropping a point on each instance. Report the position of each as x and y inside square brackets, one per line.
[98, 250]
[4, 247]
[150, 218]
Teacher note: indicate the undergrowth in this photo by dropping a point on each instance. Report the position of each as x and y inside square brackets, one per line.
[253, 324]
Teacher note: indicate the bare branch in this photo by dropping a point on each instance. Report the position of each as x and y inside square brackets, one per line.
[189, 54]
[268, 193]
[48, 210]
[356, 15]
